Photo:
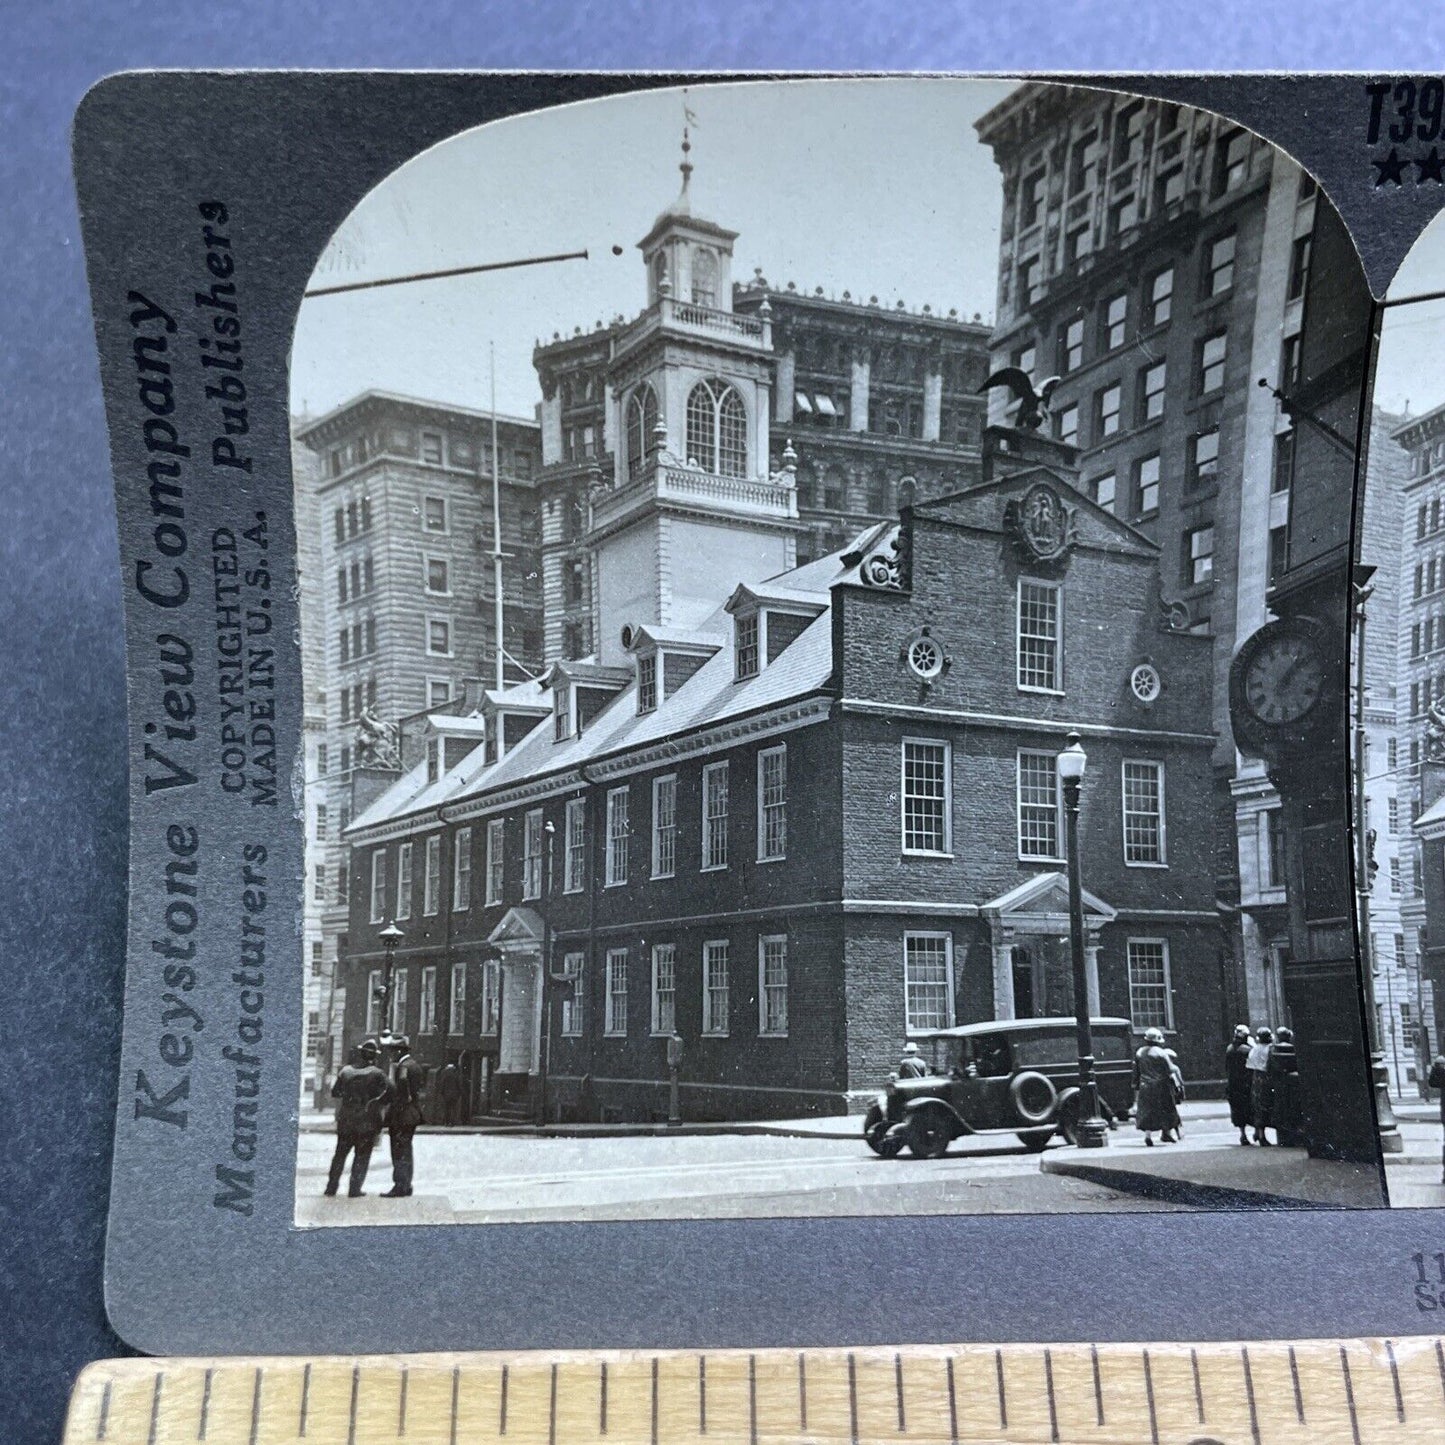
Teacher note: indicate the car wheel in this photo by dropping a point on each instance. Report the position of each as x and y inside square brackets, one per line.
[875, 1132]
[1068, 1120]
[1036, 1140]
[929, 1134]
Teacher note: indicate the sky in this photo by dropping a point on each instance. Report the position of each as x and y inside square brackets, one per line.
[1410, 369]
[878, 187]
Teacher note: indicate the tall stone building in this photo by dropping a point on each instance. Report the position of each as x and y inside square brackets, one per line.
[1155, 258]
[849, 395]
[394, 523]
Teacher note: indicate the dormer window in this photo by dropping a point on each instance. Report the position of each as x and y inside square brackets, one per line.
[561, 714]
[745, 646]
[433, 759]
[647, 683]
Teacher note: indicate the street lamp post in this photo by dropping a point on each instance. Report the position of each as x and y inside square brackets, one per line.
[1090, 1130]
[390, 936]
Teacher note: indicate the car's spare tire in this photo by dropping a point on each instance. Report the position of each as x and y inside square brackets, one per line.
[1034, 1097]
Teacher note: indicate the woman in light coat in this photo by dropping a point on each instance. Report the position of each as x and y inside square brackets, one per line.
[1158, 1085]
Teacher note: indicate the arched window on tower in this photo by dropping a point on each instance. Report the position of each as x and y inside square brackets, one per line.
[717, 429]
[659, 272]
[704, 278]
[641, 423]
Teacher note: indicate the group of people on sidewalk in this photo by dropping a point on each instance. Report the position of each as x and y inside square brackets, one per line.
[1261, 1080]
[370, 1098]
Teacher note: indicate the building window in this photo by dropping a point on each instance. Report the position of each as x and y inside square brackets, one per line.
[496, 842]
[434, 514]
[438, 578]
[1071, 345]
[399, 995]
[438, 637]
[1103, 489]
[715, 987]
[532, 854]
[1291, 358]
[1272, 853]
[715, 816]
[1143, 813]
[614, 1023]
[378, 886]
[1231, 161]
[1112, 322]
[1038, 636]
[1219, 265]
[927, 796]
[1199, 554]
[403, 882]
[431, 448]
[617, 837]
[1066, 424]
[1146, 484]
[318, 885]
[572, 1003]
[772, 804]
[664, 826]
[457, 1013]
[1031, 198]
[641, 424]
[647, 683]
[1030, 280]
[1150, 1006]
[1107, 411]
[1283, 461]
[1151, 391]
[561, 711]
[432, 882]
[1394, 875]
[341, 584]
[717, 429]
[1211, 362]
[427, 1004]
[1299, 267]
[340, 515]
[746, 650]
[664, 988]
[1161, 296]
[928, 981]
[704, 278]
[321, 820]
[373, 1002]
[1204, 458]
[1278, 553]
[491, 995]
[462, 871]
[1083, 162]
[1039, 806]
[773, 985]
[576, 845]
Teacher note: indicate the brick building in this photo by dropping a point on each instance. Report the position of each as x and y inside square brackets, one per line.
[1156, 259]
[823, 817]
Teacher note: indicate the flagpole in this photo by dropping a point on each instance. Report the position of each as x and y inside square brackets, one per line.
[497, 617]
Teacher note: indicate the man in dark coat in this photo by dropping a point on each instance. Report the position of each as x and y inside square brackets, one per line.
[408, 1084]
[1237, 1087]
[912, 1066]
[362, 1089]
[449, 1091]
[1283, 1071]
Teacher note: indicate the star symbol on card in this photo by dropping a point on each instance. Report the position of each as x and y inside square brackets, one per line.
[1429, 166]
[1391, 169]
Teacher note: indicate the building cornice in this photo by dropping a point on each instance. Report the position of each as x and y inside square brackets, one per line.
[904, 711]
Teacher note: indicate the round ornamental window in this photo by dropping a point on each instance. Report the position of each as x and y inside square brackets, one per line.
[1144, 682]
[925, 657]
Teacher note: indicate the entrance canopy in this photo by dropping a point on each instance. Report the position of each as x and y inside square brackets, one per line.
[1041, 905]
[518, 928]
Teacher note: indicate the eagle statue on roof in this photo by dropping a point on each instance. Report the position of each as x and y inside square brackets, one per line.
[1033, 405]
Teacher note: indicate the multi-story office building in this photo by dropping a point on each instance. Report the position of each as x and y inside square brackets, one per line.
[394, 519]
[863, 395]
[1155, 258]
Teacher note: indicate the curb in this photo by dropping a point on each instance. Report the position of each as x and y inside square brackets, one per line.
[1187, 1192]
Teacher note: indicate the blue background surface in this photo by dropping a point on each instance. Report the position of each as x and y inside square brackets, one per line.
[62, 841]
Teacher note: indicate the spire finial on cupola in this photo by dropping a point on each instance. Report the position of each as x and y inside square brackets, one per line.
[685, 165]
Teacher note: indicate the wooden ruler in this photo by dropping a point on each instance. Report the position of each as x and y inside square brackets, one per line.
[1355, 1392]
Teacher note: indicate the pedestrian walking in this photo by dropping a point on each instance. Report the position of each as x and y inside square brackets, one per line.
[1259, 1084]
[362, 1089]
[408, 1084]
[912, 1066]
[449, 1091]
[1158, 1087]
[1283, 1073]
[1237, 1081]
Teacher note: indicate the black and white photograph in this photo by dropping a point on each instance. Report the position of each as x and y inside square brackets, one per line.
[824, 610]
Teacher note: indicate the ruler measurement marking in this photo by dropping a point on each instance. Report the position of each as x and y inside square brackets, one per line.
[1149, 1396]
[1002, 1400]
[1053, 1407]
[752, 1402]
[456, 1391]
[502, 1417]
[155, 1407]
[802, 1391]
[104, 1421]
[701, 1396]
[205, 1407]
[552, 1408]
[1249, 1394]
[256, 1407]
[654, 1400]
[1098, 1387]
[1299, 1399]
[1198, 1385]
[305, 1400]
[401, 1403]
[1395, 1380]
[853, 1398]
[355, 1391]
[1350, 1395]
[898, 1390]
[1440, 1364]
[952, 1405]
[602, 1399]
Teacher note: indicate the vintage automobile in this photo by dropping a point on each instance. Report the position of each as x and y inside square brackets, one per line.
[1014, 1077]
